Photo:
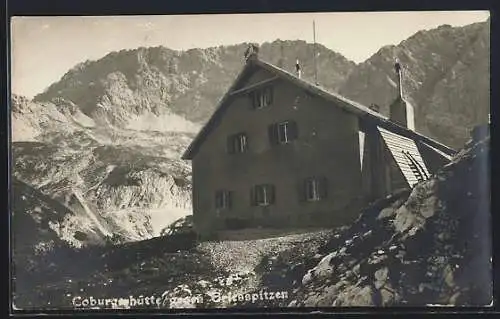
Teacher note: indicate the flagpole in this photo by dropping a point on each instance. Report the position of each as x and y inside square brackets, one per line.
[314, 52]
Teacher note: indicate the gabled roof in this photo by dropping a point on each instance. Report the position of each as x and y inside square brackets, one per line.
[346, 104]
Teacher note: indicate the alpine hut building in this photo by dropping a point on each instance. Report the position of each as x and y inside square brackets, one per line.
[282, 152]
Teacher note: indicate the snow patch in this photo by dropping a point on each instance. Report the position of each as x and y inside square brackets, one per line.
[164, 216]
[162, 123]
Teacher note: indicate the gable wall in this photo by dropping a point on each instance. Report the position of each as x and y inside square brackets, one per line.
[328, 145]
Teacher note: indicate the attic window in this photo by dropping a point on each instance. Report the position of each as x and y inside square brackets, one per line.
[237, 143]
[262, 195]
[283, 133]
[262, 97]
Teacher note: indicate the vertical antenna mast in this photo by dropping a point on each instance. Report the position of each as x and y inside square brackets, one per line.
[314, 52]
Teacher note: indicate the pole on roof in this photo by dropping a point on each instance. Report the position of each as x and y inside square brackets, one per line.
[314, 52]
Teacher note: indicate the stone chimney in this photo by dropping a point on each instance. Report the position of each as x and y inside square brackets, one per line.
[401, 111]
[252, 52]
[375, 107]
[298, 70]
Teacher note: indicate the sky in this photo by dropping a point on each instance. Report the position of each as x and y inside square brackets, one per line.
[43, 49]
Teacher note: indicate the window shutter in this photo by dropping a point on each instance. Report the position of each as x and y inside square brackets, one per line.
[252, 97]
[273, 134]
[323, 187]
[269, 92]
[229, 199]
[294, 130]
[272, 194]
[252, 196]
[301, 190]
[230, 145]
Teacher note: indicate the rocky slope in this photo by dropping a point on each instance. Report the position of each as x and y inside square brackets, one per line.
[446, 78]
[119, 183]
[430, 246]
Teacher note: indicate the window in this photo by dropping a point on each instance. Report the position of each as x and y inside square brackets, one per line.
[223, 199]
[262, 195]
[237, 143]
[315, 189]
[262, 97]
[283, 133]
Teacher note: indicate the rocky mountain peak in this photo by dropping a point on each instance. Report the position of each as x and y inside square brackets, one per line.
[432, 60]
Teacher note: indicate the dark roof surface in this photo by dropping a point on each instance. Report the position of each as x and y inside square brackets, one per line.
[346, 104]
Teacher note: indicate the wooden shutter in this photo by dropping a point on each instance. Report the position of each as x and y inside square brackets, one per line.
[301, 190]
[217, 201]
[230, 145]
[229, 199]
[269, 94]
[294, 130]
[252, 97]
[252, 196]
[323, 187]
[273, 134]
[272, 193]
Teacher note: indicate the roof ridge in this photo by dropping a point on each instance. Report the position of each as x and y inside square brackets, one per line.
[345, 103]
[360, 107]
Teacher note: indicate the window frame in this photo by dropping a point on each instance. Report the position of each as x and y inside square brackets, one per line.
[312, 186]
[224, 199]
[262, 97]
[267, 191]
[283, 127]
[317, 186]
[237, 143]
[284, 132]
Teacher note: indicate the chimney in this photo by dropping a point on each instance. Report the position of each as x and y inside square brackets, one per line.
[399, 73]
[251, 52]
[401, 111]
[297, 69]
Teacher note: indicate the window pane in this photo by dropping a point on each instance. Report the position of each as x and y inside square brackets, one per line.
[243, 142]
[222, 199]
[282, 132]
[263, 194]
[259, 194]
[313, 189]
[262, 99]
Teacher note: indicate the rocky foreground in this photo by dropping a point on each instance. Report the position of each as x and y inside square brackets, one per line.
[427, 246]
[430, 246]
